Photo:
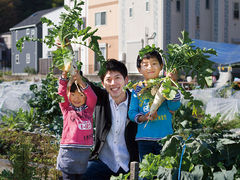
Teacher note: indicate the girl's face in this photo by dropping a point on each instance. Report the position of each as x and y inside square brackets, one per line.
[77, 99]
[150, 68]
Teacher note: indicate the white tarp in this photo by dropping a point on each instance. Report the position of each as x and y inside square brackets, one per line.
[228, 107]
[14, 95]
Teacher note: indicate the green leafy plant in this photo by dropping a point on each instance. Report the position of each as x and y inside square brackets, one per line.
[120, 177]
[30, 70]
[41, 156]
[150, 165]
[68, 32]
[5, 73]
[207, 155]
[46, 105]
[19, 157]
[21, 120]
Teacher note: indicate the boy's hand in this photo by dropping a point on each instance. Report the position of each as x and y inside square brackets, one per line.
[146, 117]
[153, 116]
[174, 76]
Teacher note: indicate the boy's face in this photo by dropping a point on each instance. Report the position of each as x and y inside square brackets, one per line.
[114, 82]
[77, 99]
[150, 68]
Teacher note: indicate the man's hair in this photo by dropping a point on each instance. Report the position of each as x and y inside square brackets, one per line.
[115, 65]
[153, 54]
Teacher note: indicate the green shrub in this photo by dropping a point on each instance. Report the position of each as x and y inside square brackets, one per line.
[30, 70]
[5, 73]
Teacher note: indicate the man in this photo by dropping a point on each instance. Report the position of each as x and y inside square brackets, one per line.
[115, 145]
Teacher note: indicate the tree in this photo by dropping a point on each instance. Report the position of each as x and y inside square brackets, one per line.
[14, 11]
[8, 14]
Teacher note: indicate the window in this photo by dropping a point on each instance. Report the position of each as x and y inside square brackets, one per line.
[83, 25]
[130, 12]
[75, 55]
[147, 5]
[27, 32]
[27, 58]
[100, 18]
[49, 54]
[207, 4]
[16, 35]
[104, 53]
[17, 59]
[236, 10]
[32, 33]
[178, 5]
[197, 22]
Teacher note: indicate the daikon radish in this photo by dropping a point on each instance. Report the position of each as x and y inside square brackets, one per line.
[157, 101]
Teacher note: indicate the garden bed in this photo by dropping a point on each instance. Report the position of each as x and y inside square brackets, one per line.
[32, 154]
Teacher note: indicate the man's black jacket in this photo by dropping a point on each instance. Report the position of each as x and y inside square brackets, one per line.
[103, 123]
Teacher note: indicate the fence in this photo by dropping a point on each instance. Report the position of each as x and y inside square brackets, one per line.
[45, 64]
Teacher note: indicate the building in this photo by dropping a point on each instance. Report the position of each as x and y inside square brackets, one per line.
[104, 16]
[54, 17]
[161, 22]
[31, 51]
[5, 51]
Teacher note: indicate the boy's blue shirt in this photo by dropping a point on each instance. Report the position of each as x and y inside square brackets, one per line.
[158, 128]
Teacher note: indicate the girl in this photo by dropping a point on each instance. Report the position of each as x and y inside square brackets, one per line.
[77, 135]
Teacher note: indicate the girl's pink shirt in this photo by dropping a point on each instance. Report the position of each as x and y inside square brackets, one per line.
[77, 125]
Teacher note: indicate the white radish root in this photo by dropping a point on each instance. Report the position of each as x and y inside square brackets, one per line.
[157, 102]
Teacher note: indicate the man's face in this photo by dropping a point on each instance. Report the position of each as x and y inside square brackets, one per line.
[114, 82]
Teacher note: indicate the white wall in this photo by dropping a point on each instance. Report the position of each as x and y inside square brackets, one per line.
[134, 30]
[53, 16]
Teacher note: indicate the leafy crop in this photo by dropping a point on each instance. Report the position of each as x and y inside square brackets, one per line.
[69, 31]
[19, 156]
[46, 104]
[207, 156]
[21, 120]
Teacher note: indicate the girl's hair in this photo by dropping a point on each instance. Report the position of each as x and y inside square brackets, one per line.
[153, 54]
[115, 65]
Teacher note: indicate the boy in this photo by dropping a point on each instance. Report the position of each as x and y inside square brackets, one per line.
[77, 135]
[160, 124]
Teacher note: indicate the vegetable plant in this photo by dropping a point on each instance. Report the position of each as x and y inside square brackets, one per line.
[69, 31]
[178, 57]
